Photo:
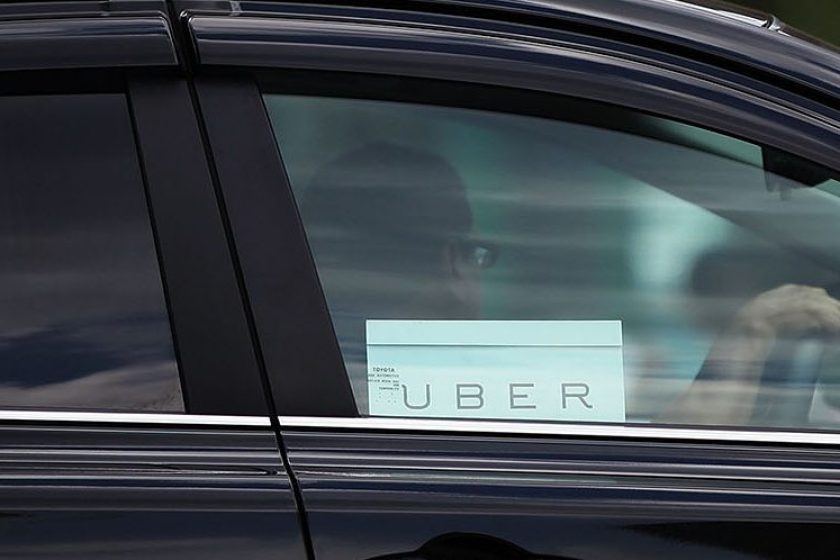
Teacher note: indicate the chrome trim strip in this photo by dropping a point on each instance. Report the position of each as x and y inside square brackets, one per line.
[586, 430]
[133, 418]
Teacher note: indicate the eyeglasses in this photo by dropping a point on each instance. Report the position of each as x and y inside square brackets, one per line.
[479, 253]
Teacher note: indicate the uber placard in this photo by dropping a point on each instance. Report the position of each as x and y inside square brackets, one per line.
[534, 370]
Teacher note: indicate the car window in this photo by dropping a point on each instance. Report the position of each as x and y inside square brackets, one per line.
[612, 267]
[83, 322]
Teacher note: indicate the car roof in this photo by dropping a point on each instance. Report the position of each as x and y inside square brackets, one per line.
[625, 10]
[749, 39]
[744, 40]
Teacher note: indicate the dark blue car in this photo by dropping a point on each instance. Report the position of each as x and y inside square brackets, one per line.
[417, 279]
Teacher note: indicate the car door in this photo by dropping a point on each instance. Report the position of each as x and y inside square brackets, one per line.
[132, 418]
[491, 266]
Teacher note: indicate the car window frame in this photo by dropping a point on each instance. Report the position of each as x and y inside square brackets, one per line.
[215, 474]
[219, 367]
[135, 56]
[308, 381]
[571, 63]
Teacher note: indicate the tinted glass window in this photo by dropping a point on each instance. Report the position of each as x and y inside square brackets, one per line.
[613, 267]
[83, 322]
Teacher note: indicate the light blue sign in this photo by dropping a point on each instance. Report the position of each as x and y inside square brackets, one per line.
[524, 370]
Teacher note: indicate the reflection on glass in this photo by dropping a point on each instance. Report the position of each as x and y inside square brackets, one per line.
[83, 322]
[723, 274]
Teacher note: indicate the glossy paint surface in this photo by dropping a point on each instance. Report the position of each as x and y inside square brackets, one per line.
[372, 495]
[87, 490]
[31, 44]
[735, 34]
[750, 40]
[508, 55]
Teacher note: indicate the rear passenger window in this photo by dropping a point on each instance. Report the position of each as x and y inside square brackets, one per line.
[83, 321]
[601, 266]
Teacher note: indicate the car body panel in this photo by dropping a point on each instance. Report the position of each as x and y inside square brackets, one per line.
[84, 35]
[380, 494]
[515, 56]
[210, 483]
[173, 488]
[749, 41]
[738, 35]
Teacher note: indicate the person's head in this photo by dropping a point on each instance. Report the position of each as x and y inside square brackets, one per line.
[389, 229]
